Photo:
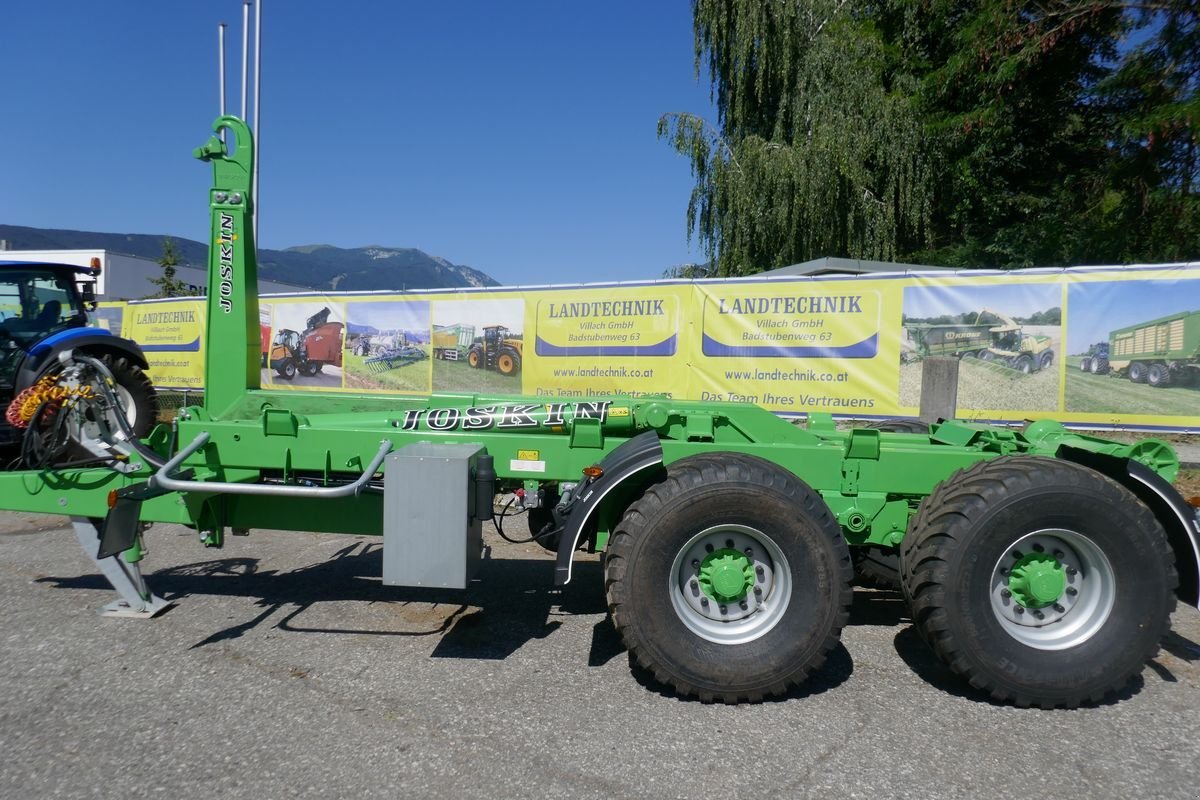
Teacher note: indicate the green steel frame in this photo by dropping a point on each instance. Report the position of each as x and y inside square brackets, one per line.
[872, 481]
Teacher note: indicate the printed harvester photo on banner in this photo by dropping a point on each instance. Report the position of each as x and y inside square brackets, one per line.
[478, 345]
[387, 346]
[618, 341]
[1008, 338]
[306, 345]
[1134, 347]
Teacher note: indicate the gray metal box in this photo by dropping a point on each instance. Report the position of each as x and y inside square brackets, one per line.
[429, 535]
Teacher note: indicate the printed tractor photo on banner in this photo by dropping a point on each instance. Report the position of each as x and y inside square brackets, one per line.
[1008, 338]
[1134, 347]
[478, 345]
[306, 345]
[387, 346]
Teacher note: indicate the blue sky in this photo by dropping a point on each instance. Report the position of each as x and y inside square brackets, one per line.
[517, 138]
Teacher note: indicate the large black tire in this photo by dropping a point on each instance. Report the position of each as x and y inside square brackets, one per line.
[876, 566]
[987, 355]
[1023, 363]
[1085, 364]
[1110, 562]
[1137, 372]
[475, 357]
[308, 369]
[1158, 375]
[541, 520]
[286, 369]
[898, 425]
[1045, 359]
[136, 392]
[1099, 366]
[762, 644]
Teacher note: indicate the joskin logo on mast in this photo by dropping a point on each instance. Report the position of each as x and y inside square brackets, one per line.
[637, 325]
[756, 321]
[225, 241]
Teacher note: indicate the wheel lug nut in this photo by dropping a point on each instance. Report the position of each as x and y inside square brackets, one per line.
[1038, 614]
[743, 605]
[757, 591]
[1003, 571]
[695, 562]
[729, 543]
[1058, 607]
[1016, 554]
[1072, 571]
[1037, 548]
[708, 548]
[1005, 593]
[1019, 609]
[724, 609]
[1058, 554]
[759, 570]
[1071, 590]
[704, 601]
[749, 551]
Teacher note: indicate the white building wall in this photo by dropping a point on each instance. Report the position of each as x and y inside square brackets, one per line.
[125, 277]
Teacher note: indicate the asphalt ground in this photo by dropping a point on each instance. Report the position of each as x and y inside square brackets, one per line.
[288, 670]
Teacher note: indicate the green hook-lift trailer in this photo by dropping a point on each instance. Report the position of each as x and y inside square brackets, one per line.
[1042, 566]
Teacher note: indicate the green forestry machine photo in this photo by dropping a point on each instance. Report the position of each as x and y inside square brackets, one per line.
[1040, 565]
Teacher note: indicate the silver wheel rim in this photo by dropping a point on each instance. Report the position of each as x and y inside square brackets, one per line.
[740, 622]
[1079, 612]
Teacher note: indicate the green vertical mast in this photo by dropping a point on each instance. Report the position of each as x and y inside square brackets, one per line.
[232, 314]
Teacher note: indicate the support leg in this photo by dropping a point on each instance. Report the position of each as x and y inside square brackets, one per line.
[136, 600]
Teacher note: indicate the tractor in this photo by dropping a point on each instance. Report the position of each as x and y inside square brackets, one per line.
[307, 353]
[496, 350]
[44, 314]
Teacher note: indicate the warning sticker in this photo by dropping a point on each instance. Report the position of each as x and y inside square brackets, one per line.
[527, 455]
[526, 465]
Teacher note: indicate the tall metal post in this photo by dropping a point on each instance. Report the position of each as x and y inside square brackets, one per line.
[245, 53]
[221, 67]
[257, 111]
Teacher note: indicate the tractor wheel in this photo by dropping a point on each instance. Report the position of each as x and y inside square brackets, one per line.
[729, 579]
[1085, 364]
[475, 357]
[1039, 581]
[987, 355]
[136, 393]
[309, 369]
[509, 362]
[1158, 375]
[1045, 359]
[1137, 372]
[876, 566]
[287, 369]
[1023, 363]
[1099, 366]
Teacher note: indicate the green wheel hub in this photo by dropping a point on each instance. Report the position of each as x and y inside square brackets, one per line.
[1037, 580]
[726, 575]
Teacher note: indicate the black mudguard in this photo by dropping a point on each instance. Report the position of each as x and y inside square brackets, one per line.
[1178, 518]
[640, 453]
[40, 358]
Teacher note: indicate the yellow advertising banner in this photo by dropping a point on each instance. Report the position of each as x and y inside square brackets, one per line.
[171, 334]
[1103, 347]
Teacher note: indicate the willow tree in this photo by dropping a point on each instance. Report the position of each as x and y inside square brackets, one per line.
[816, 150]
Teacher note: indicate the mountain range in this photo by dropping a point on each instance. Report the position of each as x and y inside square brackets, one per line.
[314, 266]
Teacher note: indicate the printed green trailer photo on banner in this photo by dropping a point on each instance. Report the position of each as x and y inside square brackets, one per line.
[1099, 347]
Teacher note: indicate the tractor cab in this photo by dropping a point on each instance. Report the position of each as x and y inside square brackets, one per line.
[37, 301]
